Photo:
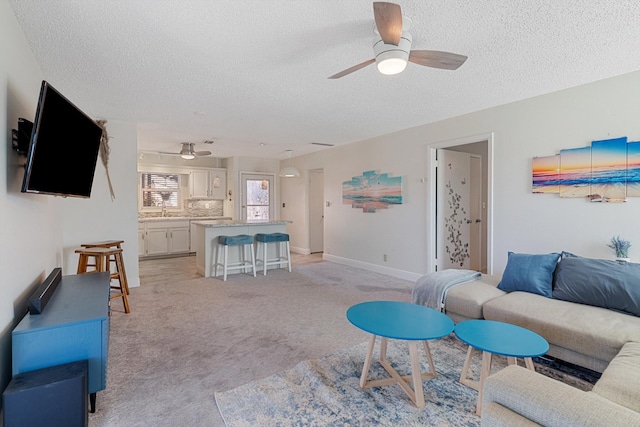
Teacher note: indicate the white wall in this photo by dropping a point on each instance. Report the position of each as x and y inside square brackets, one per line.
[29, 232]
[99, 218]
[39, 232]
[523, 222]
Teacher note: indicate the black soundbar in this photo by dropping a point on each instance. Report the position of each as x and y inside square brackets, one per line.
[42, 295]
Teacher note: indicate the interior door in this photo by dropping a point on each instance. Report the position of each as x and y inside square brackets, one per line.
[453, 210]
[316, 211]
[257, 196]
[475, 209]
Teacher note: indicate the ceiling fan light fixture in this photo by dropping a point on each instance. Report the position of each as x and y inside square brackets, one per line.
[391, 66]
[187, 151]
[392, 59]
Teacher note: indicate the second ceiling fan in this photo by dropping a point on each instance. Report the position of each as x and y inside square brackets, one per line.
[188, 152]
[393, 49]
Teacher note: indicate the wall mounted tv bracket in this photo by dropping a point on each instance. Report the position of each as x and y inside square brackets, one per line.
[20, 137]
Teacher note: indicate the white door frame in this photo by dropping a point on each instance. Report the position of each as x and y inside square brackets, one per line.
[431, 195]
[272, 193]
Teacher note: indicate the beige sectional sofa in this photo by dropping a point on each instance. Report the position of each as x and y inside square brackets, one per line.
[577, 333]
[596, 338]
[516, 396]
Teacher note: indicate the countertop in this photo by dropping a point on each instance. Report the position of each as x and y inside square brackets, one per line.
[238, 223]
[183, 218]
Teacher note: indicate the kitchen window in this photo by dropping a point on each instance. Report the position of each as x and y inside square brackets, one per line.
[160, 190]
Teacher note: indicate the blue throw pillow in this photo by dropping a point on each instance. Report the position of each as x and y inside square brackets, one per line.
[529, 273]
[602, 283]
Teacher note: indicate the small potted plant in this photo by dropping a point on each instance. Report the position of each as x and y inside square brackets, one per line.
[621, 248]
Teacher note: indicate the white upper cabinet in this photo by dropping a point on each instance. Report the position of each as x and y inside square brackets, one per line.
[218, 183]
[208, 183]
[199, 184]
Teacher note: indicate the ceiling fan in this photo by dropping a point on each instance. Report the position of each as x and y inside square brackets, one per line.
[392, 48]
[188, 152]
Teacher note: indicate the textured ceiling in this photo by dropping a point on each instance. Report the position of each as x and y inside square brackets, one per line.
[252, 75]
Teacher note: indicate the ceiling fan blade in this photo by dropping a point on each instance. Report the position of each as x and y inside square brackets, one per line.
[437, 59]
[352, 69]
[388, 18]
[202, 153]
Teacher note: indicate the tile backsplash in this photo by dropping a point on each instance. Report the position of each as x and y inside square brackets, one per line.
[194, 208]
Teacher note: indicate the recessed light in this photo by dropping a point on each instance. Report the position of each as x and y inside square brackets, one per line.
[200, 113]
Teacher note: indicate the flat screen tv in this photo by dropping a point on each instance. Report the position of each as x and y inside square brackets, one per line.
[63, 148]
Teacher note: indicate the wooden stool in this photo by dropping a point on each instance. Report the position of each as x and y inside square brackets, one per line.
[102, 258]
[242, 240]
[280, 260]
[110, 244]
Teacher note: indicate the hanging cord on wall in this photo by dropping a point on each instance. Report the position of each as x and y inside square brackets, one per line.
[104, 153]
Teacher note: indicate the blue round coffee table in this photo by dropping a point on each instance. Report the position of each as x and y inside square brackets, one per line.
[402, 321]
[498, 338]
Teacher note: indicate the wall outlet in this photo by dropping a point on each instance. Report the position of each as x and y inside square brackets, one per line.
[384, 257]
[207, 205]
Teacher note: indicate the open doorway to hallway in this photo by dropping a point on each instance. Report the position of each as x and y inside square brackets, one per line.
[460, 204]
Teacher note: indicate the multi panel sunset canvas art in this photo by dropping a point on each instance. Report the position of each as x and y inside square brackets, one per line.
[546, 174]
[633, 169]
[607, 171]
[372, 191]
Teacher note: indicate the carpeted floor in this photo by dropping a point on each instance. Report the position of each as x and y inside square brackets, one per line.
[186, 339]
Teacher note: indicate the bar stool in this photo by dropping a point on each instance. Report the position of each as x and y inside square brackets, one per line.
[101, 257]
[242, 240]
[279, 238]
[110, 244]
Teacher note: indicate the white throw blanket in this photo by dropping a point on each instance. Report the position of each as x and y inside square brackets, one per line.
[431, 289]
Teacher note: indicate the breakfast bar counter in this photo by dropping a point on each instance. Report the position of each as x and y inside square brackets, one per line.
[207, 232]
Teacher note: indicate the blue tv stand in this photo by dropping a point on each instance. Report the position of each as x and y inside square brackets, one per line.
[73, 326]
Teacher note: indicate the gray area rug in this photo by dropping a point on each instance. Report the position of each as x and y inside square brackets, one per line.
[326, 391]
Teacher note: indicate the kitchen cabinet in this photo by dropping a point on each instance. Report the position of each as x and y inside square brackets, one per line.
[141, 237]
[208, 184]
[179, 239]
[165, 238]
[157, 242]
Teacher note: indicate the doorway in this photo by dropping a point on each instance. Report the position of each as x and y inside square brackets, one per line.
[459, 203]
[257, 196]
[316, 211]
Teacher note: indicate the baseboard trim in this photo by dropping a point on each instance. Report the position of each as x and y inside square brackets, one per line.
[393, 272]
[301, 251]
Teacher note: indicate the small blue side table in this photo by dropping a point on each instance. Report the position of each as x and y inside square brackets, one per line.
[498, 338]
[402, 321]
